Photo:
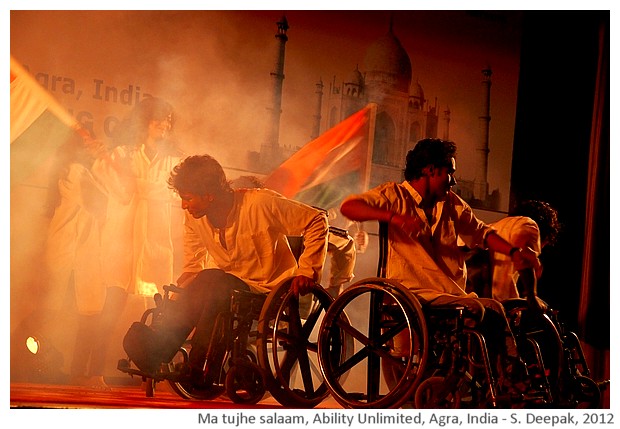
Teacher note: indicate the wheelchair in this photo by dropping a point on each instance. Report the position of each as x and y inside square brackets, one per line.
[268, 343]
[407, 354]
[552, 352]
[555, 356]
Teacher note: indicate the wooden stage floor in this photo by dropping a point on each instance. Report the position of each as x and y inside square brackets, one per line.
[29, 395]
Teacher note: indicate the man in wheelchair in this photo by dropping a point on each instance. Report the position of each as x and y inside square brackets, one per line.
[425, 218]
[535, 225]
[233, 240]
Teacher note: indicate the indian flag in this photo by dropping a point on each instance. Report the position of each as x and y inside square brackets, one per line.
[332, 166]
[39, 124]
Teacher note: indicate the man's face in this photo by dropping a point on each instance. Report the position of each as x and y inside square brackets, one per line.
[196, 205]
[442, 180]
[159, 129]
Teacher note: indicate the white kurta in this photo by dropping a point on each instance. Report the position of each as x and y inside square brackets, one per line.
[521, 232]
[74, 241]
[257, 250]
[137, 244]
[431, 264]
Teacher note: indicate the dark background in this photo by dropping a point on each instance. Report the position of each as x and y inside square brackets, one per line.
[557, 99]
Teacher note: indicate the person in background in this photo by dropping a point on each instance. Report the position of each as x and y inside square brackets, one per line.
[137, 248]
[425, 218]
[77, 205]
[534, 225]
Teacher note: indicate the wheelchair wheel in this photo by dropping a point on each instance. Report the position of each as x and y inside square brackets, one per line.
[390, 345]
[541, 347]
[186, 389]
[287, 347]
[244, 383]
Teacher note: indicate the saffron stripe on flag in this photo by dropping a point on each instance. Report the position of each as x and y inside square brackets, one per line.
[343, 149]
[39, 124]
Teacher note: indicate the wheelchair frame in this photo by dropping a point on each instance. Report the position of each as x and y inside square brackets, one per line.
[557, 356]
[447, 364]
[286, 349]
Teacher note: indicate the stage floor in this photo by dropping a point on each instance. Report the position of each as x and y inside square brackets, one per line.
[29, 395]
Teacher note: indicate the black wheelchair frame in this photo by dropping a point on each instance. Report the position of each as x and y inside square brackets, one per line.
[269, 342]
[446, 363]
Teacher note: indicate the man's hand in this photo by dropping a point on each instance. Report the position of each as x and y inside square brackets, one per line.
[526, 258]
[301, 285]
[361, 241]
[528, 278]
[536, 305]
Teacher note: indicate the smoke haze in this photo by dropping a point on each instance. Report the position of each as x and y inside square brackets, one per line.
[214, 68]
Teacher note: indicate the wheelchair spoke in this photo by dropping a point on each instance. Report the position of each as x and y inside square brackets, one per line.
[352, 361]
[288, 348]
[347, 328]
[304, 367]
[387, 368]
[312, 320]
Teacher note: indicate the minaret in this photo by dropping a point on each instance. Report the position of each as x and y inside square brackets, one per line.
[481, 187]
[316, 125]
[270, 149]
[446, 120]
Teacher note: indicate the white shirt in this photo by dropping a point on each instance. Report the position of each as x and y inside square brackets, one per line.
[257, 250]
[431, 264]
[521, 232]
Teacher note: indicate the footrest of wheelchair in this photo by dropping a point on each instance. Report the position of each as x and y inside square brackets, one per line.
[535, 398]
[524, 398]
[124, 365]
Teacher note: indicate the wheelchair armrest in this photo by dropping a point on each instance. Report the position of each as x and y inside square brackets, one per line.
[172, 288]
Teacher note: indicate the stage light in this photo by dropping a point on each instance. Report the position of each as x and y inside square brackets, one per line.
[33, 345]
[42, 362]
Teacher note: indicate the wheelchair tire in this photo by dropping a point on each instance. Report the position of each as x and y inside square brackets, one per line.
[394, 317]
[185, 389]
[541, 347]
[287, 347]
[244, 383]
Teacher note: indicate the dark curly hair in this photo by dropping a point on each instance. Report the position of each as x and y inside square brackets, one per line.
[435, 152]
[545, 216]
[199, 175]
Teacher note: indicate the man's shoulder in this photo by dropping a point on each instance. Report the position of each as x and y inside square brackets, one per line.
[391, 188]
[457, 201]
[515, 222]
[256, 194]
[257, 198]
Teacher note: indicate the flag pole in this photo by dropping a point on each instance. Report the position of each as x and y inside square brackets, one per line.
[361, 236]
[372, 117]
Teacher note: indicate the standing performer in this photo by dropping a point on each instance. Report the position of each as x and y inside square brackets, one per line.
[137, 247]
